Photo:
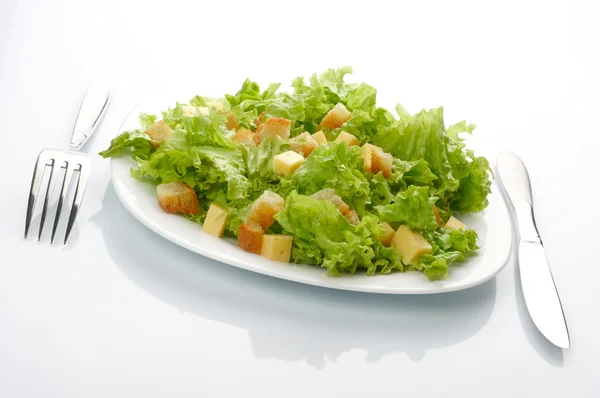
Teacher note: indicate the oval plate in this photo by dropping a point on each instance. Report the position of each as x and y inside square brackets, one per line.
[493, 226]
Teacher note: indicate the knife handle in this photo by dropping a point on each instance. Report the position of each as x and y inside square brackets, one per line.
[515, 180]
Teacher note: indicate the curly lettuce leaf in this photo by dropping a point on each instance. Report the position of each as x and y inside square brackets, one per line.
[334, 166]
[413, 207]
[135, 142]
[258, 163]
[322, 235]
[448, 247]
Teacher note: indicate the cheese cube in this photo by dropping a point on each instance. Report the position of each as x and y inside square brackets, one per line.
[319, 136]
[388, 234]
[218, 105]
[191, 111]
[367, 155]
[277, 247]
[347, 138]
[216, 218]
[410, 244]
[454, 224]
[286, 163]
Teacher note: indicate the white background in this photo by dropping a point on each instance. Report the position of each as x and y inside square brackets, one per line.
[121, 312]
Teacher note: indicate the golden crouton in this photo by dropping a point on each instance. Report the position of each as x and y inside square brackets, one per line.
[438, 219]
[251, 237]
[232, 123]
[337, 116]
[245, 136]
[264, 209]
[177, 197]
[352, 217]
[304, 144]
[376, 160]
[330, 195]
[158, 133]
[275, 126]
[382, 161]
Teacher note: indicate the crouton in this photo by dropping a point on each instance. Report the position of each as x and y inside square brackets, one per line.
[232, 123]
[177, 197]
[352, 217]
[246, 137]
[381, 161]
[259, 119]
[319, 136]
[250, 237]
[304, 144]
[330, 195]
[264, 208]
[376, 160]
[348, 138]
[158, 133]
[438, 219]
[337, 116]
[275, 127]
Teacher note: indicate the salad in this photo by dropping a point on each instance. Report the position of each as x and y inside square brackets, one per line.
[320, 175]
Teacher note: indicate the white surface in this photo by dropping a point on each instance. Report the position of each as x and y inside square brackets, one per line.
[139, 199]
[122, 312]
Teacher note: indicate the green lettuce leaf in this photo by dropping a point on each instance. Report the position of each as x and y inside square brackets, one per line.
[135, 142]
[362, 97]
[322, 235]
[448, 247]
[413, 207]
[258, 163]
[333, 166]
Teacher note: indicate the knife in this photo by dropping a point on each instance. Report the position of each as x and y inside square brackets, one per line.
[539, 290]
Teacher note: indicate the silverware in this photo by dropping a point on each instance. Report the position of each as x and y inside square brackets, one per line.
[539, 290]
[72, 161]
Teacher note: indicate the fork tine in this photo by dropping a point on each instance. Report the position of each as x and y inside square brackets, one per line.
[36, 180]
[84, 174]
[49, 190]
[63, 192]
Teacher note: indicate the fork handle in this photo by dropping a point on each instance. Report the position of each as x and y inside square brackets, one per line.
[92, 109]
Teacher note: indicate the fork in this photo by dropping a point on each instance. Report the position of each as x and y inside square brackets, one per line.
[90, 114]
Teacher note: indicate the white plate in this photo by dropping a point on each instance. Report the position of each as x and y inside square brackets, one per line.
[492, 225]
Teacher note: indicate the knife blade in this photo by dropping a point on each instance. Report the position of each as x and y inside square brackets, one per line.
[539, 289]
